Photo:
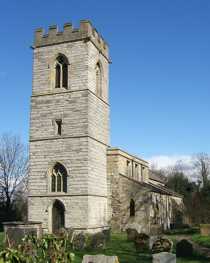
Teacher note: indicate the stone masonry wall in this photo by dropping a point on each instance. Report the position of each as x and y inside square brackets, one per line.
[82, 146]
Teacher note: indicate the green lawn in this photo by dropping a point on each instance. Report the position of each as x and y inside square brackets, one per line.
[119, 246]
[126, 252]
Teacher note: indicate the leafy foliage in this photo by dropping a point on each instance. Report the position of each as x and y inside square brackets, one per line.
[48, 249]
[202, 240]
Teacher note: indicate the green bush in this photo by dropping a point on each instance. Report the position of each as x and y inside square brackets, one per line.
[202, 240]
[183, 231]
[33, 250]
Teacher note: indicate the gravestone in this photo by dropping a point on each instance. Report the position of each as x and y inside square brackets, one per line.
[205, 230]
[162, 245]
[184, 248]
[15, 231]
[164, 257]
[99, 259]
[142, 242]
[79, 241]
[152, 240]
[131, 234]
[98, 241]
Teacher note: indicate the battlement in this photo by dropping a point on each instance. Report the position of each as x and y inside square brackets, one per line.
[69, 34]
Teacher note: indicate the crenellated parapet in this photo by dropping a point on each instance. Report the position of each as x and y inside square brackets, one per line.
[69, 34]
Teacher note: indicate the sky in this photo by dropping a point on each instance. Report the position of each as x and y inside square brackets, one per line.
[159, 76]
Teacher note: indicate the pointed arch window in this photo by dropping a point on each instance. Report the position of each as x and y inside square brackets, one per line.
[61, 72]
[59, 178]
[132, 208]
[98, 72]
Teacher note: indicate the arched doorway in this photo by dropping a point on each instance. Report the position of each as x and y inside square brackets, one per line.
[58, 216]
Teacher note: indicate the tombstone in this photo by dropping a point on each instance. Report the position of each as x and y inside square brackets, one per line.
[162, 245]
[79, 241]
[205, 230]
[131, 234]
[107, 234]
[152, 240]
[98, 241]
[16, 231]
[184, 248]
[142, 242]
[99, 259]
[155, 230]
[164, 257]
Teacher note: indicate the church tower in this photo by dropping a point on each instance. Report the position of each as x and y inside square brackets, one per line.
[69, 129]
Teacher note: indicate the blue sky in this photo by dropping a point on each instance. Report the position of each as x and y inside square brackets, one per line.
[159, 78]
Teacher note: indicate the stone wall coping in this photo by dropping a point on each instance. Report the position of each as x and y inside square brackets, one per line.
[118, 151]
[15, 223]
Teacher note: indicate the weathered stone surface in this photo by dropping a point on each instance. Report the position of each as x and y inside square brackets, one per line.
[205, 229]
[164, 257]
[99, 259]
[141, 242]
[82, 145]
[131, 234]
[184, 248]
[162, 245]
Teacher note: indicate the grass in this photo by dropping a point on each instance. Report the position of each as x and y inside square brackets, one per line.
[202, 240]
[119, 246]
[1, 240]
[126, 252]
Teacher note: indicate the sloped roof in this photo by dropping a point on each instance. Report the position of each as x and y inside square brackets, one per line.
[155, 188]
[156, 177]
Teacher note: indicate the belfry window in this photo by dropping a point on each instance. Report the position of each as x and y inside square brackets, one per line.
[59, 178]
[98, 80]
[132, 208]
[61, 72]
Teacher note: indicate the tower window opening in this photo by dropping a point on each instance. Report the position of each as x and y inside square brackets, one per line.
[59, 126]
[98, 80]
[59, 178]
[61, 72]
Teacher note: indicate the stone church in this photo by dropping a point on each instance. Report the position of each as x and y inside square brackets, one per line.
[76, 179]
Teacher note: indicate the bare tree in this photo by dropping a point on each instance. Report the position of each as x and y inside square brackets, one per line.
[13, 169]
[201, 164]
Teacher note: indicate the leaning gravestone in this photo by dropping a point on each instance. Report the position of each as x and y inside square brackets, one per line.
[131, 234]
[164, 257]
[99, 259]
[184, 248]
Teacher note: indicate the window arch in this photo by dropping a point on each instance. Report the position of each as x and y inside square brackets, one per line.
[98, 72]
[59, 178]
[61, 71]
[132, 208]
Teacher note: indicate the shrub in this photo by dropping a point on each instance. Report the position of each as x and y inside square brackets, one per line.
[202, 240]
[34, 250]
[183, 231]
